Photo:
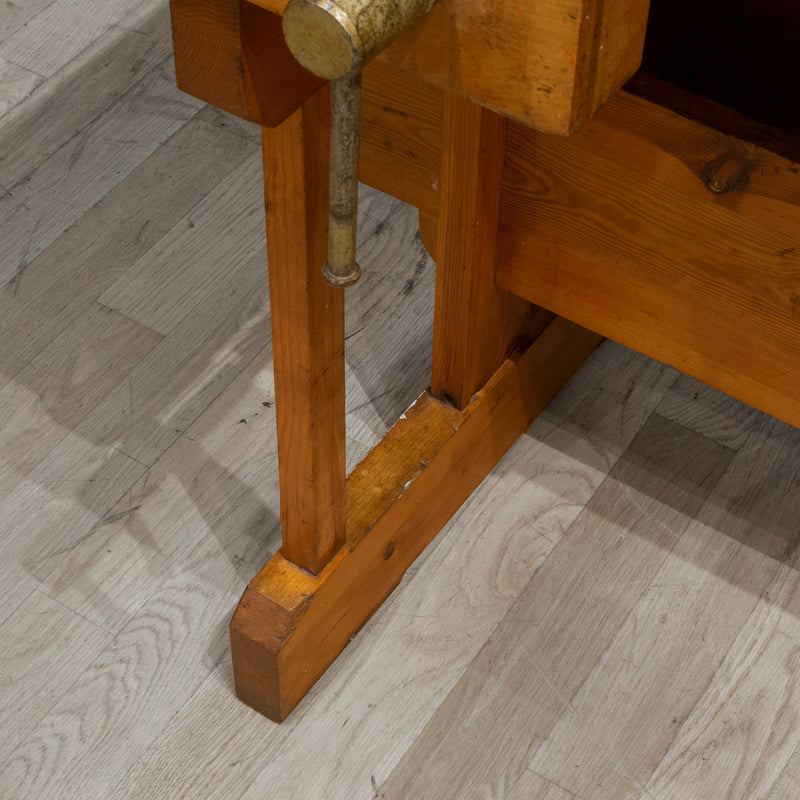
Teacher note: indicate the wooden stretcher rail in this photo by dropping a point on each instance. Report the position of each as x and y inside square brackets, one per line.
[290, 625]
[670, 237]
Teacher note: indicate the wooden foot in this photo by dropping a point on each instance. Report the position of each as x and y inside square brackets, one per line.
[290, 625]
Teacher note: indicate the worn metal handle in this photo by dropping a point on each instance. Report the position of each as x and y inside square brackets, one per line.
[334, 40]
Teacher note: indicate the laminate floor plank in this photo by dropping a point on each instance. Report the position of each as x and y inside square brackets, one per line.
[34, 130]
[629, 709]
[709, 412]
[742, 733]
[54, 393]
[16, 83]
[17, 12]
[370, 706]
[209, 504]
[375, 706]
[59, 285]
[63, 29]
[528, 671]
[230, 124]
[230, 743]
[61, 644]
[531, 786]
[122, 700]
[632, 560]
[182, 376]
[60, 501]
[18, 585]
[740, 736]
[187, 265]
[206, 475]
[33, 214]
[785, 788]
[631, 387]
[389, 318]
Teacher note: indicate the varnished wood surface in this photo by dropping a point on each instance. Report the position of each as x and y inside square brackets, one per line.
[476, 325]
[619, 594]
[547, 63]
[668, 236]
[653, 228]
[290, 626]
[308, 336]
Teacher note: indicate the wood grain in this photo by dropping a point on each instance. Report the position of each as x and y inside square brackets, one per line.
[388, 319]
[788, 781]
[95, 79]
[128, 692]
[401, 124]
[607, 408]
[232, 54]
[709, 412]
[61, 386]
[62, 498]
[666, 236]
[176, 730]
[15, 84]
[526, 675]
[180, 377]
[61, 644]
[495, 542]
[225, 760]
[34, 46]
[58, 286]
[547, 65]
[283, 635]
[37, 211]
[225, 229]
[532, 785]
[737, 716]
[475, 324]
[307, 317]
[705, 616]
[207, 506]
[19, 12]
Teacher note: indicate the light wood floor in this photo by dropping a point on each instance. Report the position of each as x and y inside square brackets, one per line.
[614, 614]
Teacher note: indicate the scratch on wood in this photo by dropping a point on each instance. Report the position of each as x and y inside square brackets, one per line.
[121, 515]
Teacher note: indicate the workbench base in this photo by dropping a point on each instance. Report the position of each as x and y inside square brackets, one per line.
[290, 625]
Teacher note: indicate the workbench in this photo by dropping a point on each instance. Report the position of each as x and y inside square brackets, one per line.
[559, 207]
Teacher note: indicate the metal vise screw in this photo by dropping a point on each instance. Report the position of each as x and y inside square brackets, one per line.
[334, 40]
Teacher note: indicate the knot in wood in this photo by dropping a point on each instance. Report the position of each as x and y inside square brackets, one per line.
[728, 172]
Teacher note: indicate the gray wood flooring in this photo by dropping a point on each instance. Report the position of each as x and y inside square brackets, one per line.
[614, 614]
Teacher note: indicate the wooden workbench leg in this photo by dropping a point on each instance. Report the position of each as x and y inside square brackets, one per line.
[475, 323]
[291, 624]
[307, 337]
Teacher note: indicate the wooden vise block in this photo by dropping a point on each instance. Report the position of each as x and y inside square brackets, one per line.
[548, 63]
